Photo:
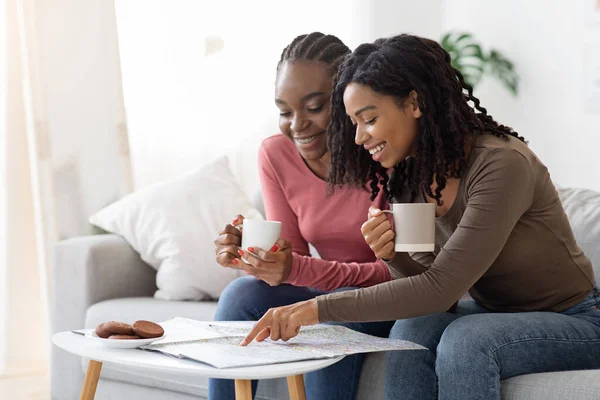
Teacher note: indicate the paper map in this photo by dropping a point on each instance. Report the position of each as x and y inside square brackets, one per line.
[217, 343]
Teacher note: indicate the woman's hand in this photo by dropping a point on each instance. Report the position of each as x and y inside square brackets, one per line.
[284, 322]
[273, 266]
[228, 244]
[378, 234]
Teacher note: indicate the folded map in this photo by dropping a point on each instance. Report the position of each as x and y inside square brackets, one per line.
[217, 343]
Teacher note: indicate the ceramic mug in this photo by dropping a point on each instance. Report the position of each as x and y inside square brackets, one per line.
[260, 233]
[414, 224]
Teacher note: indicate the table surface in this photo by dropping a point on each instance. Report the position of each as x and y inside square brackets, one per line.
[149, 360]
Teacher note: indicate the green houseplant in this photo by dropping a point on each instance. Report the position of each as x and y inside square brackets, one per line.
[473, 62]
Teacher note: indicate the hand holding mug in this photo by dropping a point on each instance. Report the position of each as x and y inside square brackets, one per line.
[378, 234]
[414, 229]
[273, 266]
[228, 243]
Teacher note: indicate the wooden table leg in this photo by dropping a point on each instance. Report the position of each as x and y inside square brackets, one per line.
[296, 387]
[91, 380]
[243, 389]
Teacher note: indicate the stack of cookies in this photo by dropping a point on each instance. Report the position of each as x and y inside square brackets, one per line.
[123, 331]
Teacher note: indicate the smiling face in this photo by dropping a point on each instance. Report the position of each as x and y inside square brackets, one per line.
[302, 94]
[386, 126]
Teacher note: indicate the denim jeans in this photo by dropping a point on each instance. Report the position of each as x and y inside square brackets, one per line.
[248, 298]
[473, 349]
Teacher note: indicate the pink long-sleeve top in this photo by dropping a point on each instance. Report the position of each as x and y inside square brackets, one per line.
[294, 195]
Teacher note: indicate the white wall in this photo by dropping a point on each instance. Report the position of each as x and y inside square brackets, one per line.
[545, 39]
[184, 109]
[383, 18]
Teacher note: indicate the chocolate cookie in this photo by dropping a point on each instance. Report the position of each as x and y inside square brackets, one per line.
[103, 332]
[124, 337]
[119, 328]
[147, 329]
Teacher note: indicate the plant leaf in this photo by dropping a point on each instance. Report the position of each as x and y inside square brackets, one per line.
[464, 36]
[470, 60]
[504, 70]
[465, 54]
[445, 39]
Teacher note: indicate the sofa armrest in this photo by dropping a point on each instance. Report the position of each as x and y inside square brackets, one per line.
[88, 270]
[91, 269]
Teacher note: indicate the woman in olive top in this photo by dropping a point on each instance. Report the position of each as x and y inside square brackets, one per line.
[501, 233]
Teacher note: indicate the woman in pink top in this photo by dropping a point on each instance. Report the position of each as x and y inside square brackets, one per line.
[293, 166]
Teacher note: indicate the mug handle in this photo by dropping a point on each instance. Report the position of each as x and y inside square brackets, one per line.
[391, 213]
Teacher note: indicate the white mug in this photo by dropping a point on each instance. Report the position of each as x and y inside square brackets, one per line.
[260, 233]
[414, 224]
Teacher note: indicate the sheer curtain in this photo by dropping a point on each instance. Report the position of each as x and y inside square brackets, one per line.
[25, 223]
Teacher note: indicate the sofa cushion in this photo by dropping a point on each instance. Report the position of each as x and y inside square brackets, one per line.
[580, 385]
[582, 207]
[130, 309]
[584, 385]
[163, 386]
[372, 377]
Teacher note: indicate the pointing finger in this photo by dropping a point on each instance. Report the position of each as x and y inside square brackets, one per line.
[264, 322]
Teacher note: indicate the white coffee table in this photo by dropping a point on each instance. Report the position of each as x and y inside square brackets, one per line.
[97, 354]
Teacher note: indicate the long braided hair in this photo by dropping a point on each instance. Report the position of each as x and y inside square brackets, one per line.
[315, 46]
[396, 66]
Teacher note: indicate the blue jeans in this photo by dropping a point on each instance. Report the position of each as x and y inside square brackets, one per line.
[473, 349]
[248, 298]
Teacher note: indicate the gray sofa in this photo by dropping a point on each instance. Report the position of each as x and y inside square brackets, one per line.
[100, 278]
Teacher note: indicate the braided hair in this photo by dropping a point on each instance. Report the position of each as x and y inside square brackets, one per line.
[316, 46]
[396, 66]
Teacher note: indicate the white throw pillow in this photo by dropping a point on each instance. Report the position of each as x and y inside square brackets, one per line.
[173, 225]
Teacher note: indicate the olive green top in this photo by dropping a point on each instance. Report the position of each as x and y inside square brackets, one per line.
[506, 239]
